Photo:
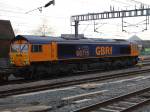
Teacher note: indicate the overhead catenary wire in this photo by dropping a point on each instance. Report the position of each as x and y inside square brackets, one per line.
[132, 3]
[9, 6]
[125, 3]
[22, 13]
[139, 2]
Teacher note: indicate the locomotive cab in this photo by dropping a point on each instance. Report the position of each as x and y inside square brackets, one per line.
[31, 50]
[19, 53]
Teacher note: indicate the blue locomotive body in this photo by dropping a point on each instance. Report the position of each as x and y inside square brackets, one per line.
[73, 51]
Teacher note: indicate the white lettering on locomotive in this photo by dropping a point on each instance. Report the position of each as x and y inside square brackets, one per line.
[82, 52]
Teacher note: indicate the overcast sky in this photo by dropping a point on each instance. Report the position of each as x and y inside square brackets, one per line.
[57, 18]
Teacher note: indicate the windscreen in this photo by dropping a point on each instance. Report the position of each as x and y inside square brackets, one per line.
[19, 48]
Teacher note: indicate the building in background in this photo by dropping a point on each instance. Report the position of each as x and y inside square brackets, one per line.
[6, 34]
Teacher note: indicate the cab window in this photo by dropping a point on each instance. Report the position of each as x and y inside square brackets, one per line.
[36, 48]
[15, 47]
[19, 48]
[24, 48]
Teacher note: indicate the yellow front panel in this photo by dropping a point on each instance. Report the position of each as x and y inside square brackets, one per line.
[18, 58]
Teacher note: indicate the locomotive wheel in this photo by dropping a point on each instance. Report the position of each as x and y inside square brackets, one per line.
[108, 66]
[116, 64]
[83, 67]
[4, 77]
[128, 63]
[30, 75]
[119, 64]
[72, 69]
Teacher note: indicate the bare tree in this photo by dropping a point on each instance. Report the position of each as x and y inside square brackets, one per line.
[16, 31]
[44, 29]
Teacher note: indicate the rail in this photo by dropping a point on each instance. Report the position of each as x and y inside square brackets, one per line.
[123, 103]
[59, 83]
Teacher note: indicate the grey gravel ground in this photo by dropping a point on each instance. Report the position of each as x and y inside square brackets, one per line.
[52, 98]
[143, 109]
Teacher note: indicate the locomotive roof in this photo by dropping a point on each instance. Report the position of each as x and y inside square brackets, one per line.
[48, 39]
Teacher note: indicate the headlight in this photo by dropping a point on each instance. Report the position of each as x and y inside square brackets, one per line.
[26, 62]
[11, 61]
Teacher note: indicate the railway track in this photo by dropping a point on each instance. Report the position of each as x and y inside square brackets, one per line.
[124, 103]
[68, 82]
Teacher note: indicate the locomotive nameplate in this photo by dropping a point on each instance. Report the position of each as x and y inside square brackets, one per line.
[103, 50]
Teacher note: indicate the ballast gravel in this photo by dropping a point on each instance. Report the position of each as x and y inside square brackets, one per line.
[54, 98]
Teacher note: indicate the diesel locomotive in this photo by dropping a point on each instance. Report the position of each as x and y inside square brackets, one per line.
[35, 56]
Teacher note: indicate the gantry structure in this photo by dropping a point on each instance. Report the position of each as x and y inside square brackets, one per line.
[76, 19]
